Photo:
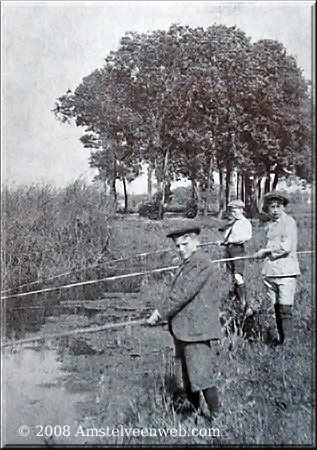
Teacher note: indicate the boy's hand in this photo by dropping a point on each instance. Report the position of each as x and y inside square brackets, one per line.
[249, 312]
[260, 254]
[154, 318]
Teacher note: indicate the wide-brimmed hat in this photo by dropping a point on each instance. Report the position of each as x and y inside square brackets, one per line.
[275, 195]
[177, 232]
[236, 204]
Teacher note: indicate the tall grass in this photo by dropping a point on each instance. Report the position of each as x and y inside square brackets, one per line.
[46, 231]
[266, 393]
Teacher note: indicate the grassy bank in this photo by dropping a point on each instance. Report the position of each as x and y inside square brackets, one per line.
[266, 393]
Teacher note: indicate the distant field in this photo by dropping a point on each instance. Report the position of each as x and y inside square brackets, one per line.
[266, 393]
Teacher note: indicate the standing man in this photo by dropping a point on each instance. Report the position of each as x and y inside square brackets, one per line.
[280, 267]
[237, 232]
[192, 313]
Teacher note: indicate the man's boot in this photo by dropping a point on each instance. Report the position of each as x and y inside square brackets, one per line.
[241, 294]
[284, 322]
[212, 400]
[194, 399]
[241, 306]
[267, 324]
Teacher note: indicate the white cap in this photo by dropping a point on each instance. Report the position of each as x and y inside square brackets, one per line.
[236, 204]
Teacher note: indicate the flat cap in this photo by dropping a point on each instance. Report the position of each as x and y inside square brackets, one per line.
[175, 233]
[236, 204]
[276, 195]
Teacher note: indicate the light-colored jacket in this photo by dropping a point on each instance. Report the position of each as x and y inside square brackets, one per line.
[282, 242]
[192, 307]
[240, 232]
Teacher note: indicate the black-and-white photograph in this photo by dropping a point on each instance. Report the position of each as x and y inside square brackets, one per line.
[158, 224]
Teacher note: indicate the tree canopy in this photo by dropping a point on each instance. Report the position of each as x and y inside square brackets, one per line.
[192, 102]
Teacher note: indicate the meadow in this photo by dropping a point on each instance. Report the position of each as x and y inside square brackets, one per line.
[130, 375]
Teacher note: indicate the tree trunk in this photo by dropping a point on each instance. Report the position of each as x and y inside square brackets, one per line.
[259, 188]
[242, 187]
[247, 193]
[158, 173]
[193, 190]
[275, 180]
[228, 184]
[149, 180]
[165, 175]
[251, 204]
[124, 182]
[167, 192]
[113, 192]
[165, 188]
[267, 186]
[255, 198]
[221, 198]
[197, 193]
[159, 187]
[210, 182]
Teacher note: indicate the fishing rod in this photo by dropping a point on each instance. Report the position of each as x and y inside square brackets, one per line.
[128, 275]
[83, 283]
[92, 266]
[95, 329]
[112, 326]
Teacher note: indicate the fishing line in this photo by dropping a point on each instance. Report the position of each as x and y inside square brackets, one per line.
[92, 266]
[71, 272]
[128, 275]
[108, 326]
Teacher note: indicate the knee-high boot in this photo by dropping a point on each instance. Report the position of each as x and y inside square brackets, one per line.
[284, 322]
[268, 325]
[194, 399]
[212, 400]
[241, 294]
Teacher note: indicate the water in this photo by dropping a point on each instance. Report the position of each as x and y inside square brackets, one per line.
[59, 387]
[45, 386]
[36, 394]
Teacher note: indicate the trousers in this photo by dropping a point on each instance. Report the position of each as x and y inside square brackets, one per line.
[280, 290]
[199, 363]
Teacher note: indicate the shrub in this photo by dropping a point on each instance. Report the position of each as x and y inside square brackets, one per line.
[48, 230]
[151, 207]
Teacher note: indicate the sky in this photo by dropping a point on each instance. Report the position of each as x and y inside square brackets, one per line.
[48, 47]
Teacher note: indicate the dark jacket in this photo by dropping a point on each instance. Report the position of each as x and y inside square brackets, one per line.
[191, 308]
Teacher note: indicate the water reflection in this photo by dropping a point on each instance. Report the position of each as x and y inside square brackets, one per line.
[90, 380]
[35, 393]
[52, 385]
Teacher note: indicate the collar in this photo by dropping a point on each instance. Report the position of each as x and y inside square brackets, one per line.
[279, 219]
[192, 258]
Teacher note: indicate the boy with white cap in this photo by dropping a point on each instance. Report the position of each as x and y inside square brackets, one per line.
[237, 233]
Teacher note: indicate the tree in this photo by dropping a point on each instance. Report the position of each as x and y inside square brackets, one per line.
[108, 125]
[190, 102]
[274, 126]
